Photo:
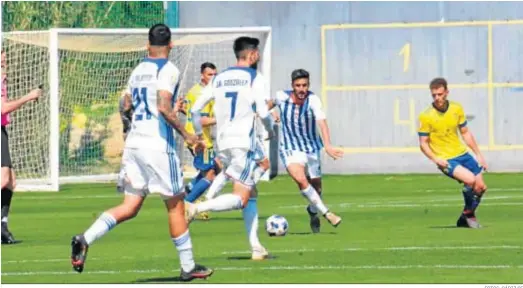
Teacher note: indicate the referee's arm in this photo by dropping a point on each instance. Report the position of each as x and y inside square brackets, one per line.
[13, 105]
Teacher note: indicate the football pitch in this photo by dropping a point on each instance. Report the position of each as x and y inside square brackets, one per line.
[395, 229]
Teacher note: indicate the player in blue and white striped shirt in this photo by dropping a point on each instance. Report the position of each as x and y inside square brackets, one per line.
[300, 143]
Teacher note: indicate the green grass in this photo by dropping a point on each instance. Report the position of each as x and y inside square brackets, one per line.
[396, 229]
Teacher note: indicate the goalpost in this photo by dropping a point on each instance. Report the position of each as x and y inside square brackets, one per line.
[73, 133]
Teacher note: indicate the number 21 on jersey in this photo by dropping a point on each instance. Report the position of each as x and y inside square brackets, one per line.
[140, 104]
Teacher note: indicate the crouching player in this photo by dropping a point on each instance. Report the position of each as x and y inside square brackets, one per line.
[300, 143]
[439, 141]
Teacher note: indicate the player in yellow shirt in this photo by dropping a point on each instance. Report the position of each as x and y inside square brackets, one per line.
[204, 161]
[440, 142]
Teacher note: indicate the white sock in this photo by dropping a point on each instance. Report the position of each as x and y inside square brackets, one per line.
[217, 185]
[250, 217]
[4, 219]
[102, 225]
[314, 199]
[312, 208]
[183, 244]
[258, 173]
[224, 202]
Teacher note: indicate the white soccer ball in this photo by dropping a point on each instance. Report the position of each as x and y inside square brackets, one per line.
[276, 225]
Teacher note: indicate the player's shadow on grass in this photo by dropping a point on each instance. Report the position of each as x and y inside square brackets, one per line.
[310, 233]
[445, 227]
[247, 258]
[218, 219]
[158, 280]
[13, 243]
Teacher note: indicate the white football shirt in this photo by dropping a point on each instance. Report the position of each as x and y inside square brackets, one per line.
[239, 93]
[149, 130]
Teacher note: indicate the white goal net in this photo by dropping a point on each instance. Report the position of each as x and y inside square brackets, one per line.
[73, 133]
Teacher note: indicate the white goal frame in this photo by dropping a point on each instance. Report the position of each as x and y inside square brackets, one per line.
[53, 180]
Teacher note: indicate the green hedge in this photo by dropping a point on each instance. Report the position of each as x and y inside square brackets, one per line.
[25, 16]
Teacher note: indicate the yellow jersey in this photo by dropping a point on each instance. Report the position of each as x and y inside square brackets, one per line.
[190, 99]
[442, 130]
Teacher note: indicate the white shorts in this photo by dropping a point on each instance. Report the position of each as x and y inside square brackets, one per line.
[311, 161]
[259, 151]
[146, 171]
[239, 164]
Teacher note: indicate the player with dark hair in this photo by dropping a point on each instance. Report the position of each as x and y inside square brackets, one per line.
[261, 159]
[300, 144]
[208, 71]
[149, 161]
[8, 174]
[240, 96]
[204, 161]
[439, 141]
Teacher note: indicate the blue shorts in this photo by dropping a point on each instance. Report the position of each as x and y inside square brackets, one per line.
[204, 160]
[467, 161]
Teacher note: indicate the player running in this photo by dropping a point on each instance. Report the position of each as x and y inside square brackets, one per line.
[239, 93]
[439, 141]
[260, 157]
[300, 143]
[8, 174]
[149, 161]
[262, 165]
[203, 160]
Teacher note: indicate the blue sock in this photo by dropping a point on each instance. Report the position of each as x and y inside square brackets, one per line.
[190, 185]
[198, 190]
[468, 196]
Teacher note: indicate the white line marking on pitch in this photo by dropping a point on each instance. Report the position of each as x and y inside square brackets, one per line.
[405, 248]
[520, 189]
[262, 193]
[105, 196]
[420, 200]
[398, 205]
[57, 260]
[417, 201]
[276, 268]
[434, 200]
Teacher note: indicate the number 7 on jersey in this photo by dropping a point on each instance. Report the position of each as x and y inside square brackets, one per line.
[233, 96]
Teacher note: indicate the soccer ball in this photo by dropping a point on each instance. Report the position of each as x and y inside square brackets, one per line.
[276, 225]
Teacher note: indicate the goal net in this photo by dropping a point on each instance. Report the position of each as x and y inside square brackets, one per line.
[73, 133]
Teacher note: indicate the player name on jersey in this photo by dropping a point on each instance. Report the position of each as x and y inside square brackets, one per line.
[142, 77]
[232, 82]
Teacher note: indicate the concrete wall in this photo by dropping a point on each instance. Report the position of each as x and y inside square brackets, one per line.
[377, 124]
